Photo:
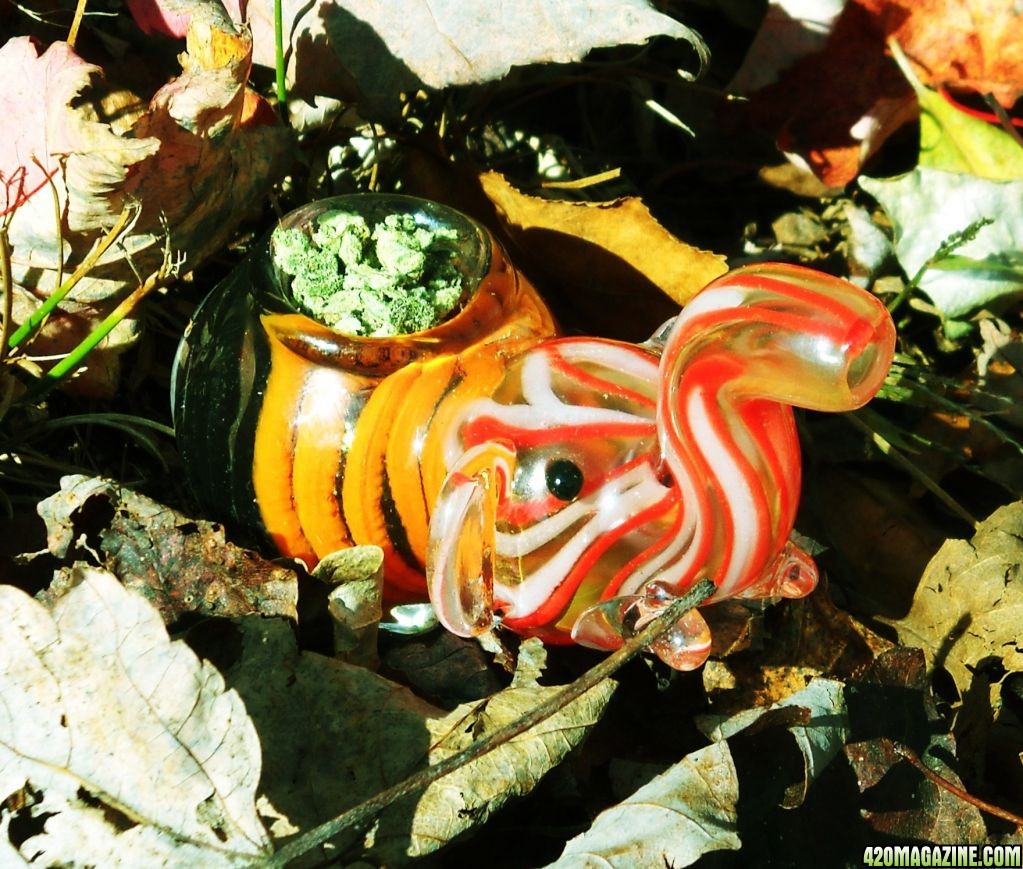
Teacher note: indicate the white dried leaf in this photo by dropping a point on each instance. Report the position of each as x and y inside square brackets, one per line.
[125, 746]
[389, 47]
[928, 206]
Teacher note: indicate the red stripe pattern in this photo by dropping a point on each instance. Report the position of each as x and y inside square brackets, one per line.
[689, 460]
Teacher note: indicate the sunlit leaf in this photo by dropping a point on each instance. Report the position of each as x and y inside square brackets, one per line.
[927, 206]
[578, 239]
[128, 748]
[685, 812]
[819, 738]
[969, 606]
[388, 48]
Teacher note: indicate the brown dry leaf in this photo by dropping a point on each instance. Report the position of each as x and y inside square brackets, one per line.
[832, 94]
[808, 638]
[968, 607]
[732, 686]
[602, 255]
[119, 747]
[893, 708]
[377, 49]
[180, 565]
[882, 539]
[815, 715]
[969, 44]
[835, 106]
[368, 733]
[928, 813]
[195, 160]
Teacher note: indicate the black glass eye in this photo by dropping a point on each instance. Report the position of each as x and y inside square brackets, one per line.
[564, 479]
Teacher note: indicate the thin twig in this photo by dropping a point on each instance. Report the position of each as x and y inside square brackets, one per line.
[57, 221]
[76, 23]
[366, 811]
[7, 287]
[896, 456]
[1003, 118]
[942, 782]
[57, 296]
[581, 183]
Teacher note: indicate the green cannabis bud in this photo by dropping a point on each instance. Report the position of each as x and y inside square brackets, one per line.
[394, 278]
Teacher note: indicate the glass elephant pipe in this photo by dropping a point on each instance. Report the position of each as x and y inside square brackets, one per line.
[567, 488]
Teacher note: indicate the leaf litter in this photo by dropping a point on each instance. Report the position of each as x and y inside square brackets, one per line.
[813, 714]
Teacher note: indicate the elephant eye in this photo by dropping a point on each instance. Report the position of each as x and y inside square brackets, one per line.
[564, 479]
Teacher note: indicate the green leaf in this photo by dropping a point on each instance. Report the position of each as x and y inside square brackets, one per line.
[928, 207]
[954, 141]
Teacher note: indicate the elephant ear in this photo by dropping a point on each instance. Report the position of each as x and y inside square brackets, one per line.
[460, 555]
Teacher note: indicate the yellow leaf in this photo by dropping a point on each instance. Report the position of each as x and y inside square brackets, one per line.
[573, 235]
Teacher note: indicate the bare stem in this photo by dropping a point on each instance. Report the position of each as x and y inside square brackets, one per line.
[365, 812]
[282, 87]
[57, 296]
[76, 23]
[1003, 118]
[942, 782]
[7, 287]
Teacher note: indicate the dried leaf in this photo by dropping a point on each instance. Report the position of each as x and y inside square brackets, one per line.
[388, 49]
[921, 810]
[819, 737]
[809, 637]
[833, 107]
[447, 669]
[685, 812]
[840, 96]
[179, 565]
[882, 538]
[195, 159]
[967, 44]
[602, 254]
[969, 606]
[893, 704]
[129, 750]
[355, 603]
[370, 733]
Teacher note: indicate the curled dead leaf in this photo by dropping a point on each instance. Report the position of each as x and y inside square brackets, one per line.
[192, 162]
[602, 258]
